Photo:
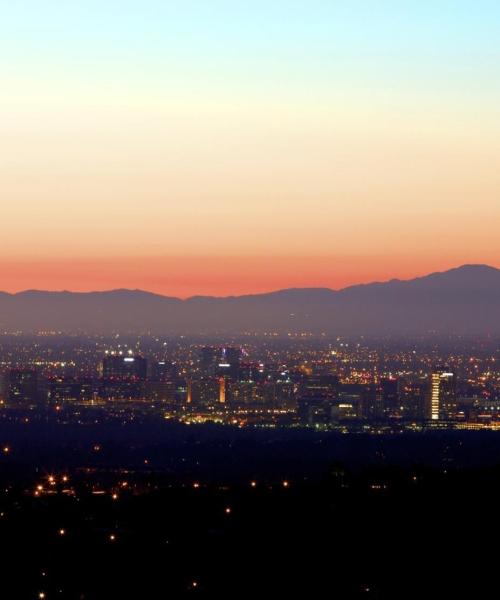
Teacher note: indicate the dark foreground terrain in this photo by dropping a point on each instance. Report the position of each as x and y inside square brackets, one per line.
[147, 509]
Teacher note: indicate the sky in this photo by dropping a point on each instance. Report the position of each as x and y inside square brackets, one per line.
[231, 147]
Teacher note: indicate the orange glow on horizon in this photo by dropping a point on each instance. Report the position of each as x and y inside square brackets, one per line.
[216, 275]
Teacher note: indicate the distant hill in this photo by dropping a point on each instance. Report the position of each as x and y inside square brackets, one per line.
[464, 300]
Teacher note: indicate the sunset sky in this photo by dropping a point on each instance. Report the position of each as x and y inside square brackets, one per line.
[225, 147]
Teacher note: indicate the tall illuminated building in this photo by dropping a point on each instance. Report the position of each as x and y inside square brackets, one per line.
[222, 390]
[442, 395]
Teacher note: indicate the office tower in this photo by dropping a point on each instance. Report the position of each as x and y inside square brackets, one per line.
[388, 396]
[117, 366]
[442, 395]
[23, 386]
[160, 391]
[414, 399]
[160, 385]
[63, 389]
[229, 363]
[123, 377]
[220, 362]
[161, 371]
[208, 360]
[204, 392]
[324, 386]
[242, 393]
[182, 390]
[318, 394]
[355, 401]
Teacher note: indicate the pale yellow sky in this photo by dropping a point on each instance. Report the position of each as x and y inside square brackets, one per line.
[137, 140]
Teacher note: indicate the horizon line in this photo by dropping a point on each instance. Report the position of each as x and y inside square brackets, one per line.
[272, 291]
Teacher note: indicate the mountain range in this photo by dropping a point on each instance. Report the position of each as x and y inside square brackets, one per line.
[464, 300]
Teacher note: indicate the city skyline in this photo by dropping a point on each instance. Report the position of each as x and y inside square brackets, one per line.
[231, 149]
[249, 298]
